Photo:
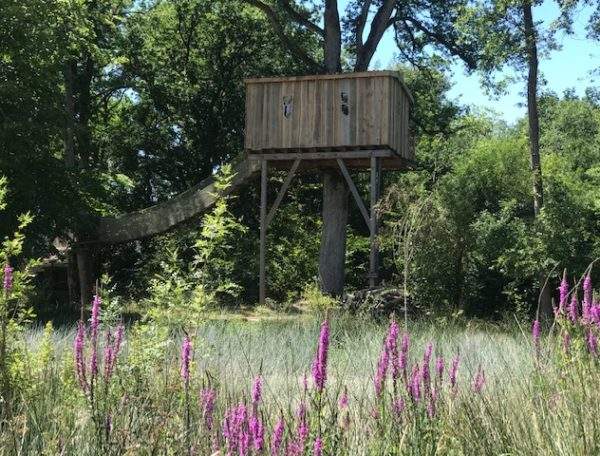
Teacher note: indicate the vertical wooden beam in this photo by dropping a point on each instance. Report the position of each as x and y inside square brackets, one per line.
[374, 221]
[262, 285]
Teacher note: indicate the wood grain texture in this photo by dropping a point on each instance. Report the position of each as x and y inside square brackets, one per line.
[339, 112]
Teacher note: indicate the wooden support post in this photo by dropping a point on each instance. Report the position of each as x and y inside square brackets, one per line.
[374, 221]
[262, 285]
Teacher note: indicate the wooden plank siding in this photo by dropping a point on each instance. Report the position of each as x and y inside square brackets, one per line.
[353, 111]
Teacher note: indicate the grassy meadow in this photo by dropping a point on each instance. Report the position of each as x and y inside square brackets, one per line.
[512, 395]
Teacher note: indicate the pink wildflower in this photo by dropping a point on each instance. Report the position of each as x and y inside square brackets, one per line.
[391, 344]
[403, 359]
[318, 447]
[257, 433]
[95, 320]
[302, 424]
[415, 384]
[207, 406]
[319, 366]
[479, 380]
[563, 293]
[439, 367]
[277, 436]
[535, 333]
[398, 406]
[343, 401]
[453, 370]
[587, 298]
[573, 308]
[256, 390]
[381, 373]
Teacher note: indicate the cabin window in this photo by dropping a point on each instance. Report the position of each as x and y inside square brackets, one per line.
[345, 108]
[287, 107]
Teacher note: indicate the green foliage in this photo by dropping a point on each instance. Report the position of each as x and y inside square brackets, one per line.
[313, 299]
[15, 311]
[181, 292]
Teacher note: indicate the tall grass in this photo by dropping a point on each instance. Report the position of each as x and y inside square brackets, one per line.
[545, 404]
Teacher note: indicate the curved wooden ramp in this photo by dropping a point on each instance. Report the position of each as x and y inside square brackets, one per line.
[164, 216]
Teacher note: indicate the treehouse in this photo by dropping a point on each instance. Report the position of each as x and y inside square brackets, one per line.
[319, 119]
[353, 120]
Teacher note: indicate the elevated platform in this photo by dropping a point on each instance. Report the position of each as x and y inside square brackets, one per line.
[318, 158]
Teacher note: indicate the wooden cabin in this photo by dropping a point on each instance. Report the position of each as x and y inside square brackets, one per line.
[353, 113]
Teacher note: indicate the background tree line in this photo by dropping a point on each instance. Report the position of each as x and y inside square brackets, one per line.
[111, 106]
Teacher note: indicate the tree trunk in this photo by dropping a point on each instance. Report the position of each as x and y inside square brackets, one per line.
[333, 238]
[532, 107]
[77, 117]
[85, 266]
[332, 255]
[545, 296]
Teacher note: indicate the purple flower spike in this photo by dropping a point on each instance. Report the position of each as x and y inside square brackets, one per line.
[403, 358]
[116, 348]
[186, 350]
[439, 367]
[257, 433]
[343, 401]
[95, 320]
[391, 345]
[536, 333]
[428, 352]
[573, 308]
[415, 384]
[453, 370]
[256, 390]
[431, 407]
[563, 291]
[277, 437]
[382, 367]
[207, 406]
[318, 447]
[319, 366]
[479, 380]
[303, 429]
[8, 278]
[398, 406]
[587, 298]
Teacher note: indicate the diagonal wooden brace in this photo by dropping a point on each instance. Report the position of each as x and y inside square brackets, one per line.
[284, 187]
[354, 190]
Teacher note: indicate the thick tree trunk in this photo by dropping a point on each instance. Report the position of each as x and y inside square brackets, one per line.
[333, 238]
[332, 255]
[545, 296]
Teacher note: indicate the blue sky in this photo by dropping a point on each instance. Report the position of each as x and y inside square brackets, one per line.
[567, 68]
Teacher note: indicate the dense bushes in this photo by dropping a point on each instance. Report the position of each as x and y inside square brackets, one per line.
[477, 246]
